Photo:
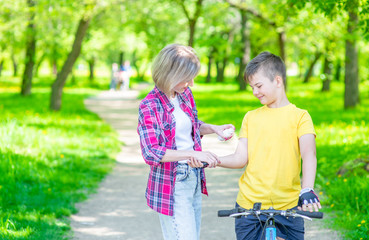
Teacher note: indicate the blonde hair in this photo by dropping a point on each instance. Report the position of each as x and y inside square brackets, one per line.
[174, 64]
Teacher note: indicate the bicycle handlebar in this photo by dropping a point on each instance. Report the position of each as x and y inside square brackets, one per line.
[288, 213]
[310, 214]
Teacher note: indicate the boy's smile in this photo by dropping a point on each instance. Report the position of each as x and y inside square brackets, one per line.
[270, 93]
[263, 88]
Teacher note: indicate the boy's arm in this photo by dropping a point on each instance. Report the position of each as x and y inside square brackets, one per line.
[238, 159]
[309, 162]
[308, 155]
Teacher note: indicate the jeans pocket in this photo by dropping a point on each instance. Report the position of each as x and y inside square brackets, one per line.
[182, 172]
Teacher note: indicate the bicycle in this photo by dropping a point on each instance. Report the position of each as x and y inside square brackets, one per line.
[269, 226]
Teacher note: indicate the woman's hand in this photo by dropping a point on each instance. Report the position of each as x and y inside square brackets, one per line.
[199, 157]
[225, 132]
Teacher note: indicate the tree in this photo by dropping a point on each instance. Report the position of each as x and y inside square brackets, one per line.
[352, 97]
[192, 20]
[57, 86]
[30, 50]
[357, 11]
[246, 48]
[309, 72]
[220, 40]
[13, 22]
[276, 21]
[278, 27]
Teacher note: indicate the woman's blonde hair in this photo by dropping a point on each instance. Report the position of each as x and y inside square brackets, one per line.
[174, 64]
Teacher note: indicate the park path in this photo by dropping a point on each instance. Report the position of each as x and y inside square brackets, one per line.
[118, 210]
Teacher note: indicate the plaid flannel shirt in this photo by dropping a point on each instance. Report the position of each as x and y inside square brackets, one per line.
[156, 128]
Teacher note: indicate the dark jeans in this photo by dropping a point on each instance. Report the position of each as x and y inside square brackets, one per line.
[249, 227]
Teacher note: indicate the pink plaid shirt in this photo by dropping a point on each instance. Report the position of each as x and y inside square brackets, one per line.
[156, 128]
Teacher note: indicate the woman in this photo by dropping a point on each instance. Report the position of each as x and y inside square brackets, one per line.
[170, 137]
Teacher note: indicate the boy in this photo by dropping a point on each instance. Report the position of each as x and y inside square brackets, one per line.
[273, 139]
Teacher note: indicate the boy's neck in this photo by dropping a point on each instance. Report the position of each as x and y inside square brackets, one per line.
[279, 102]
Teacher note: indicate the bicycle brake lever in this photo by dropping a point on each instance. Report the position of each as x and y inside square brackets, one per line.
[303, 216]
[239, 214]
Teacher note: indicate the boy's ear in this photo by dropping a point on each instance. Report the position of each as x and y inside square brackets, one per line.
[279, 81]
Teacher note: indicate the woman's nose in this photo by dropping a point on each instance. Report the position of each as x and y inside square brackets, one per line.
[190, 83]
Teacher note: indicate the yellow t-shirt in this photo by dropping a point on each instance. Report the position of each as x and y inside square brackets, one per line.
[272, 175]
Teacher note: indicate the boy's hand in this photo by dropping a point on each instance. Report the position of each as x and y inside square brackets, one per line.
[308, 199]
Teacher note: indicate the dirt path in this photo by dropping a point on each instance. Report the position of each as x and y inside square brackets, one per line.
[118, 210]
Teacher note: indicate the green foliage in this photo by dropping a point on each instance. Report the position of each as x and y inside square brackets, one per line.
[48, 161]
[335, 8]
[342, 136]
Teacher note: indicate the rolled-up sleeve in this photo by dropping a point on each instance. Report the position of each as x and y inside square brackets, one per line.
[149, 131]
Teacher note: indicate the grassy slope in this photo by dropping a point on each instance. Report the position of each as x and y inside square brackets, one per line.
[48, 160]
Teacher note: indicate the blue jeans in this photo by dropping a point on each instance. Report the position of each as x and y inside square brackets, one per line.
[186, 220]
[249, 227]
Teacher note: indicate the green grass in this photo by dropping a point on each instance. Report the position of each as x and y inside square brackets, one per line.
[49, 160]
[342, 136]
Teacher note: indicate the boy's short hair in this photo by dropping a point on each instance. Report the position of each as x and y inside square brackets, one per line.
[271, 65]
[174, 64]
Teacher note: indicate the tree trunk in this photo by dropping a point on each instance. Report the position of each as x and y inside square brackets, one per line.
[55, 68]
[337, 75]
[351, 61]
[73, 77]
[282, 45]
[57, 87]
[246, 49]
[327, 73]
[30, 51]
[91, 64]
[38, 64]
[15, 66]
[121, 58]
[192, 24]
[210, 62]
[1, 66]
[282, 49]
[192, 20]
[221, 69]
[311, 68]
[134, 64]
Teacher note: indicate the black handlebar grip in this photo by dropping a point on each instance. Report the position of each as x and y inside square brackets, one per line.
[311, 214]
[205, 164]
[225, 213]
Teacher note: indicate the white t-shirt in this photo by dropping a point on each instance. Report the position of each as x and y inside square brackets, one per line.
[184, 140]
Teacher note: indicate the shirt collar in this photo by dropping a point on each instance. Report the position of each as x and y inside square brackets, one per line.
[182, 98]
[164, 99]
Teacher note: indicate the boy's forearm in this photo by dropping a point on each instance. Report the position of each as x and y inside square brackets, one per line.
[309, 162]
[238, 159]
[308, 171]
[231, 161]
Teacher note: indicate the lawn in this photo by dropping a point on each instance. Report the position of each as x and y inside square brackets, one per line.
[49, 160]
[342, 137]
